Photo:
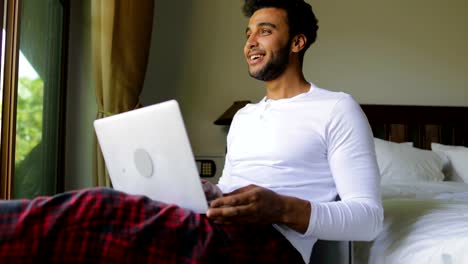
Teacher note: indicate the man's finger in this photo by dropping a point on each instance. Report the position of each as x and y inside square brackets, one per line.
[231, 200]
[242, 190]
[231, 212]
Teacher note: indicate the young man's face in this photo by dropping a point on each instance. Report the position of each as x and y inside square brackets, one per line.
[267, 47]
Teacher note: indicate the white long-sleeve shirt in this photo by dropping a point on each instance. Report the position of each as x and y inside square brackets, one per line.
[313, 146]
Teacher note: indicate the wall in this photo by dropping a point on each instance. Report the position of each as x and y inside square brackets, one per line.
[393, 52]
[382, 52]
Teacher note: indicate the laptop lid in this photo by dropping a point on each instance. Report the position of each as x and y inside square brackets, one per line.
[147, 152]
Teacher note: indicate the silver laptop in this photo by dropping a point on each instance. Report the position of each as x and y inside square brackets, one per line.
[147, 152]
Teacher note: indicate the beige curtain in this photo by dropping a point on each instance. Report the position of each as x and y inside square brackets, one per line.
[121, 36]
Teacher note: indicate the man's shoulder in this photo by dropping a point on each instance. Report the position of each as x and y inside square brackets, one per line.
[334, 104]
[326, 94]
[328, 99]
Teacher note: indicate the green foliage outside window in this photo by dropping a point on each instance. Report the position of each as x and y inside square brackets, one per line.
[28, 179]
[28, 117]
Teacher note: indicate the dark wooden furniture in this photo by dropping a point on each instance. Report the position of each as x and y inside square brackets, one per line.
[419, 124]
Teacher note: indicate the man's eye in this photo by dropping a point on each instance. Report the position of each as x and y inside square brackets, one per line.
[265, 31]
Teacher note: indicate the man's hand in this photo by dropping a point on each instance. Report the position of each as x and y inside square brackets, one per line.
[251, 204]
[211, 190]
[254, 204]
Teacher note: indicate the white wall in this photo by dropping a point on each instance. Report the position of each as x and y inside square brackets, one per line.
[393, 52]
[382, 52]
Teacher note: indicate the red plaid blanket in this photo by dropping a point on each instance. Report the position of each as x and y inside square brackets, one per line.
[101, 225]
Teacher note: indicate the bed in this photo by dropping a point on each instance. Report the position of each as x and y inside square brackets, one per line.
[423, 159]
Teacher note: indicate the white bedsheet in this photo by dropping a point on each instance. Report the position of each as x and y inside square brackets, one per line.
[424, 223]
[424, 190]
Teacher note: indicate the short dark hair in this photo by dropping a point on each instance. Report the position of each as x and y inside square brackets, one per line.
[301, 18]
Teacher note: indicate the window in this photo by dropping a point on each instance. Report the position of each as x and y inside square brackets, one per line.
[33, 67]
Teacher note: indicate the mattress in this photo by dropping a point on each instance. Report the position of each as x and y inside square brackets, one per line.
[425, 222]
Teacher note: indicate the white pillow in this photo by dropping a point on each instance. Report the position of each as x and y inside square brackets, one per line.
[403, 163]
[407, 143]
[457, 170]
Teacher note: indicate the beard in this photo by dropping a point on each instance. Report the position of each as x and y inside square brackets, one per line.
[275, 67]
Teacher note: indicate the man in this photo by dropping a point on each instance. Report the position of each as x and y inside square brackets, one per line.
[289, 157]
[300, 146]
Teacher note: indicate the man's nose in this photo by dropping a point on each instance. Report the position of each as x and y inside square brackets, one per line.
[251, 41]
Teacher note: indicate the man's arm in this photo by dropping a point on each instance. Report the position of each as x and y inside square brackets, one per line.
[254, 204]
[351, 157]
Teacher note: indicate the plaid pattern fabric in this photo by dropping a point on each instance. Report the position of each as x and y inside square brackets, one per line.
[101, 225]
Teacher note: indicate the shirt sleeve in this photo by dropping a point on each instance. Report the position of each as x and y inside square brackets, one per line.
[358, 215]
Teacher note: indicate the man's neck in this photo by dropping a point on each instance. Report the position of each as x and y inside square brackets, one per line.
[289, 84]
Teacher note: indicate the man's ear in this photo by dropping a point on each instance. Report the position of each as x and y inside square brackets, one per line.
[298, 43]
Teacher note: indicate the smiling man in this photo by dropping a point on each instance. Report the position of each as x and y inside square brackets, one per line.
[300, 148]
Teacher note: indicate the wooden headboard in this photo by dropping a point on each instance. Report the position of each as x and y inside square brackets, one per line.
[419, 124]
